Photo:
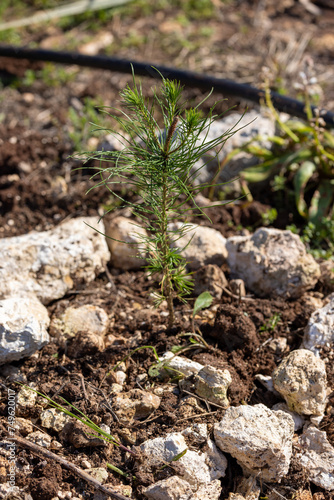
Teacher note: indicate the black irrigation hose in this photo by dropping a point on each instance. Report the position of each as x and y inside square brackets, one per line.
[188, 78]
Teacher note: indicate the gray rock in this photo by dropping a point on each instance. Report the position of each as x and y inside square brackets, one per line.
[200, 245]
[301, 380]
[260, 439]
[47, 263]
[23, 328]
[317, 457]
[125, 242]
[319, 331]
[272, 262]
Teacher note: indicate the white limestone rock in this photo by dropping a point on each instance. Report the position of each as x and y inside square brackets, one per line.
[129, 251]
[51, 418]
[260, 439]
[175, 488]
[47, 263]
[23, 327]
[180, 364]
[319, 331]
[135, 404]
[196, 468]
[317, 456]
[212, 384]
[299, 421]
[200, 245]
[25, 400]
[272, 262]
[40, 438]
[301, 380]
[88, 318]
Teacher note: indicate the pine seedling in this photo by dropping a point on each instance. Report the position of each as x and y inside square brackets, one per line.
[160, 167]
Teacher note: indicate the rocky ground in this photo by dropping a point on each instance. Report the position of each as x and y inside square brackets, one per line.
[75, 311]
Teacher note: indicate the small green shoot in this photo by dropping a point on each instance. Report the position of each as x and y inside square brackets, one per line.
[174, 459]
[271, 324]
[81, 417]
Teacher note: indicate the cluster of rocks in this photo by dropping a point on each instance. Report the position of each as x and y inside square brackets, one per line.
[39, 268]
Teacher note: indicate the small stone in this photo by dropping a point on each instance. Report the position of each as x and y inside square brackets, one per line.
[85, 318]
[120, 377]
[135, 404]
[85, 464]
[272, 262]
[40, 438]
[196, 468]
[319, 331]
[211, 384]
[125, 242]
[26, 399]
[317, 457]
[78, 434]
[98, 473]
[301, 380]
[279, 345]
[23, 425]
[172, 488]
[180, 364]
[23, 327]
[51, 418]
[260, 440]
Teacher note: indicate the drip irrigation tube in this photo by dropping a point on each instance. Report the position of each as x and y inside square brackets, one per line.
[187, 78]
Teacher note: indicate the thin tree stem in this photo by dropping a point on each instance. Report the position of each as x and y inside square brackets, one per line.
[167, 285]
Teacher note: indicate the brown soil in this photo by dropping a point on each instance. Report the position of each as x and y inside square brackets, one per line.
[40, 187]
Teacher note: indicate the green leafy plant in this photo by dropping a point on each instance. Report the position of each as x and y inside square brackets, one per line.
[160, 167]
[318, 238]
[75, 413]
[300, 159]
